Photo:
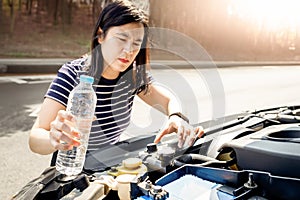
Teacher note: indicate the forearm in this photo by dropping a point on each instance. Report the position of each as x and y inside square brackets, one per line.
[174, 106]
[39, 141]
[161, 99]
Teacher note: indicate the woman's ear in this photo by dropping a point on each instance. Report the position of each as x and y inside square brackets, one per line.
[100, 35]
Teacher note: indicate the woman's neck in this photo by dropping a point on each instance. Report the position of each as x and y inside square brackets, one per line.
[110, 74]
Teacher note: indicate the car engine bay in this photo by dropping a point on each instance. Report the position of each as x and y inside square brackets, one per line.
[250, 155]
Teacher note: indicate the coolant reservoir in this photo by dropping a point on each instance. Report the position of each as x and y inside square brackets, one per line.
[123, 185]
[129, 166]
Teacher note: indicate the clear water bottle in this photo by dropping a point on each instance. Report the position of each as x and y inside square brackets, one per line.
[81, 104]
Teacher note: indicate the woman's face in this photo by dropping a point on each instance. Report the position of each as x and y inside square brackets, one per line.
[120, 46]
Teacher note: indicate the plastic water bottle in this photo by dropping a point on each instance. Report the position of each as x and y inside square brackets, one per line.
[81, 104]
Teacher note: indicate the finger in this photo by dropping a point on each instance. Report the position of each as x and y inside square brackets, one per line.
[199, 131]
[187, 137]
[160, 135]
[67, 123]
[61, 137]
[70, 128]
[69, 140]
[193, 138]
[63, 115]
[57, 145]
[63, 147]
[65, 127]
[187, 133]
[60, 125]
[191, 142]
[180, 133]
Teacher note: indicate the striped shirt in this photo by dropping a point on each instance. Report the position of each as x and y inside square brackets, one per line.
[114, 102]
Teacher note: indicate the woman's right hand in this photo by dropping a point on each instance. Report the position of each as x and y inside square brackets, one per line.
[63, 135]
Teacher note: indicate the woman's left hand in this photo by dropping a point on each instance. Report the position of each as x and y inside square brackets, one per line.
[186, 133]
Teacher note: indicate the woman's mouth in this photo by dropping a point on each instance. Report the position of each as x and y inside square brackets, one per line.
[123, 60]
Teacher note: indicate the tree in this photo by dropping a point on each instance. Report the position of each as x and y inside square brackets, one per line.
[1, 6]
[66, 12]
[97, 6]
[55, 11]
[12, 15]
[29, 6]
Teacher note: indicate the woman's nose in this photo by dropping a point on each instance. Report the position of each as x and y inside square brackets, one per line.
[128, 48]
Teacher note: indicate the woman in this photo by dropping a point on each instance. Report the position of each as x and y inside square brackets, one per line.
[118, 64]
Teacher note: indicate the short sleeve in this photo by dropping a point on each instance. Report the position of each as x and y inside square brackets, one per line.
[64, 82]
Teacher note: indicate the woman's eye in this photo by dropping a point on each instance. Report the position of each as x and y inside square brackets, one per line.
[137, 44]
[122, 39]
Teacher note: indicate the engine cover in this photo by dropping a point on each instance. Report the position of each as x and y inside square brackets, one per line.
[275, 149]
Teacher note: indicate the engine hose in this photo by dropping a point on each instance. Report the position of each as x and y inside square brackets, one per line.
[196, 159]
[288, 118]
[228, 155]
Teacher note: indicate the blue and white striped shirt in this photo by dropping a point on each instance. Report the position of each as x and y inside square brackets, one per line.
[114, 102]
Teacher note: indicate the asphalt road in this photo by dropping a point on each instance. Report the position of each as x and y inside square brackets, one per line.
[19, 100]
[204, 94]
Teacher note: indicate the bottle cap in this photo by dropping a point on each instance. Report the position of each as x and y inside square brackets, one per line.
[86, 79]
[132, 163]
[151, 148]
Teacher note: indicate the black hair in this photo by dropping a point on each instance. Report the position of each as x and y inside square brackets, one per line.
[119, 13]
